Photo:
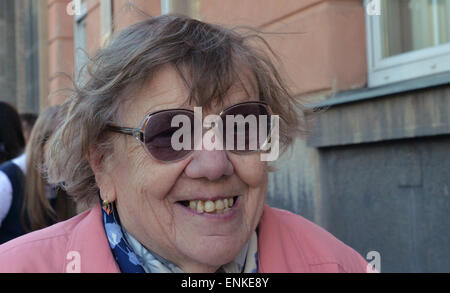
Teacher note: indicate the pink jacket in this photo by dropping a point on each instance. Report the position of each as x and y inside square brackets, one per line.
[286, 243]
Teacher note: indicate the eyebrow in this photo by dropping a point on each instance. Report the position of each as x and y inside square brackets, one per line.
[237, 89]
[184, 105]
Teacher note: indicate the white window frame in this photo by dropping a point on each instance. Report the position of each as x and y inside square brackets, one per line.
[106, 20]
[186, 7]
[405, 66]
[79, 40]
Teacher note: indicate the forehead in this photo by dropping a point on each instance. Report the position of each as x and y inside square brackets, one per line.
[168, 90]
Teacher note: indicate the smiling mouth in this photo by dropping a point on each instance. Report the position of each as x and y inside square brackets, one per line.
[218, 206]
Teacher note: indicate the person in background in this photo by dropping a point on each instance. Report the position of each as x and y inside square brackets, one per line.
[12, 163]
[28, 120]
[34, 205]
[12, 141]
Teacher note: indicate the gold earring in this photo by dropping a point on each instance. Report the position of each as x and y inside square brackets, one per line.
[107, 206]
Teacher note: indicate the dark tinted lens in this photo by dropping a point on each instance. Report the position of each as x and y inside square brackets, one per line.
[158, 135]
[245, 127]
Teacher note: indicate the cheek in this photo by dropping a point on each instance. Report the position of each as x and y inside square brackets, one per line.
[140, 181]
[250, 169]
[153, 180]
[144, 185]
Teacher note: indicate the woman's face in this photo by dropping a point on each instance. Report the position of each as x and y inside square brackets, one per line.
[149, 193]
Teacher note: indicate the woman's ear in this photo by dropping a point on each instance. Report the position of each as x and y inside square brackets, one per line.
[99, 165]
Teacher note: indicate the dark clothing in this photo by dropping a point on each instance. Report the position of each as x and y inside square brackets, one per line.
[11, 226]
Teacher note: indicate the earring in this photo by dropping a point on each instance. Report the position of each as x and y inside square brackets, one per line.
[107, 206]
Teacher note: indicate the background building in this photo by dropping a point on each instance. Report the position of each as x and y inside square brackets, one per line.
[375, 168]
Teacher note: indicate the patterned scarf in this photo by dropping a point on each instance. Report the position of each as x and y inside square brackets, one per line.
[133, 257]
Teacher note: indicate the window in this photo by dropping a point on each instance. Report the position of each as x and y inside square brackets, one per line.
[186, 7]
[80, 38]
[409, 39]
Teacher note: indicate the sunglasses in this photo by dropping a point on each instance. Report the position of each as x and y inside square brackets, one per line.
[155, 131]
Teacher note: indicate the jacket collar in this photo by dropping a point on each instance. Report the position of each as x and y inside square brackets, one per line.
[89, 240]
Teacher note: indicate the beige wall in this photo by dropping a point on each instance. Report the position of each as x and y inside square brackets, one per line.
[327, 50]
[93, 25]
[322, 42]
[60, 49]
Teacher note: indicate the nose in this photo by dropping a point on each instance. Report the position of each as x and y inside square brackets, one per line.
[209, 164]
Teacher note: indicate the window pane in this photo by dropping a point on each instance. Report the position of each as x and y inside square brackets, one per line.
[409, 25]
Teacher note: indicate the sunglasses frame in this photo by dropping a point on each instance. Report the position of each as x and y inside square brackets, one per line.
[138, 132]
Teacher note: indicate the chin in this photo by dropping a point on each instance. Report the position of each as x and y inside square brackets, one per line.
[216, 251]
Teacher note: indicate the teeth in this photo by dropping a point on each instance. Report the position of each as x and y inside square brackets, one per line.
[219, 206]
[209, 206]
[199, 207]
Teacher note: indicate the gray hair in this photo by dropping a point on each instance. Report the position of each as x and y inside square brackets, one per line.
[208, 58]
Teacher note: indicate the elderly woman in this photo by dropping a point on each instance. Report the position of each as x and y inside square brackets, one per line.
[157, 208]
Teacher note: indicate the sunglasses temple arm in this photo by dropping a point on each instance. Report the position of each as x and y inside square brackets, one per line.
[136, 132]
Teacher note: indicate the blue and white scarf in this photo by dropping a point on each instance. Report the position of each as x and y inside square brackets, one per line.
[133, 257]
